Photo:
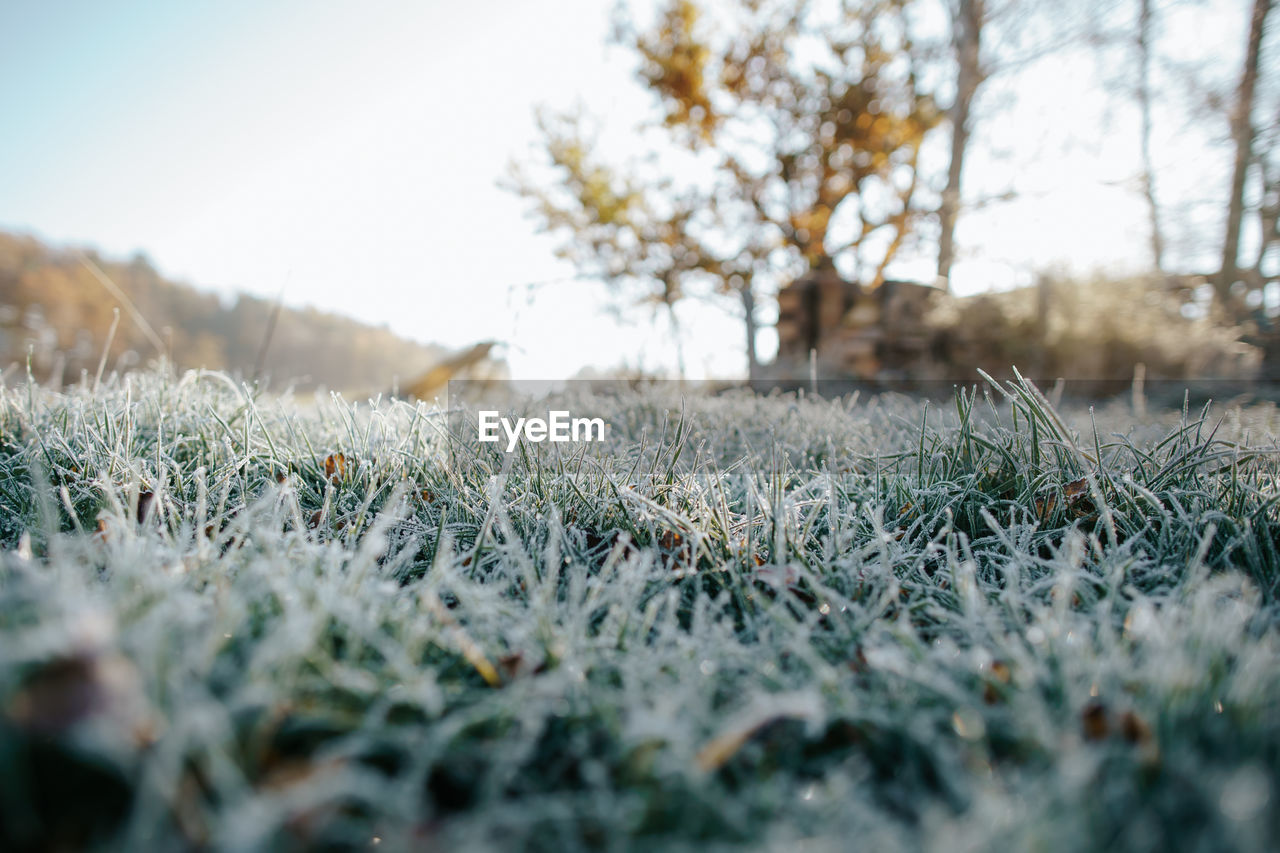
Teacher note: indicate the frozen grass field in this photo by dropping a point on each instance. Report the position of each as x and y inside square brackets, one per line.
[234, 623]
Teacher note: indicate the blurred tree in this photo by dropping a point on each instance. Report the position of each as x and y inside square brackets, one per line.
[968, 19]
[1244, 136]
[1135, 40]
[801, 132]
[1145, 52]
[986, 40]
[1268, 157]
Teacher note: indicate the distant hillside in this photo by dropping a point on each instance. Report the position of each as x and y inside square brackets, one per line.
[52, 304]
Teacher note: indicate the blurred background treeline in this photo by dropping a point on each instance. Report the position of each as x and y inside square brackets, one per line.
[55, 309]
[880, 191]
[828, 157]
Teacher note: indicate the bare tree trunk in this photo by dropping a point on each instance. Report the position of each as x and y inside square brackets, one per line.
[678, 334]
[749, 308]
[1144, 105]
[1242, 134]
[1268, 210]
[966, 39]
[1269, 218]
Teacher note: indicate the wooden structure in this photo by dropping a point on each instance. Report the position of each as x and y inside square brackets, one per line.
[470, 364]
[863, 333]
[910, 336]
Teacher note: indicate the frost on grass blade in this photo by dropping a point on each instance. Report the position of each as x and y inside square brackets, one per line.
[733, 621]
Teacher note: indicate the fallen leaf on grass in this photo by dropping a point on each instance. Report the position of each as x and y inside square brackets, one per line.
[1000, 671]
[145, 498]
[335, 467]
[90, 683]
[1098, 723]
[1076, 501]
[515, 665]
[991, 687]
[511, 665]
[1093, 721]
[677, 555]
[1134, 729]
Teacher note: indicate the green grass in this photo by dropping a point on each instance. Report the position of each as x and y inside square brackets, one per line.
[763, 622]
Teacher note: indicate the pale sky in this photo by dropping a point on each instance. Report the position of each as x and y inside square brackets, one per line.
[349, 153]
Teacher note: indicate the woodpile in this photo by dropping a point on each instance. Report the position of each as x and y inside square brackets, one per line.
[856, 332]
[1093, 335]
